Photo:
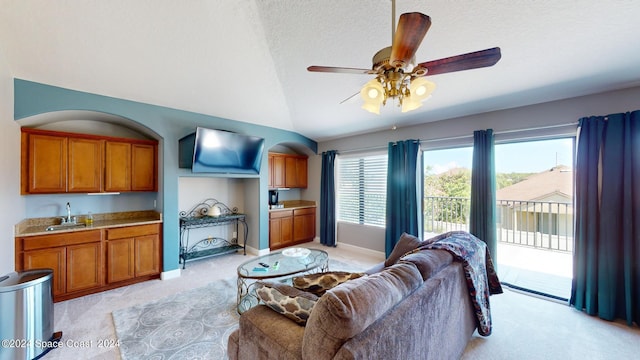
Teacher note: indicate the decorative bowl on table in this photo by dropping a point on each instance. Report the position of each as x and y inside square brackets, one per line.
[296, 252]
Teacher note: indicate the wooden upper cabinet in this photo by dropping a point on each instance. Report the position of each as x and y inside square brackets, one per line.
[277, 170]
[58, 162]
[296, 172]
[301, 172]
[144, 167]
[117, 166]
[45, 170]
[287, 171]
[85, 165]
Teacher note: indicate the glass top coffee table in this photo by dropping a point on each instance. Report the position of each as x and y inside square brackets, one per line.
[281, 264]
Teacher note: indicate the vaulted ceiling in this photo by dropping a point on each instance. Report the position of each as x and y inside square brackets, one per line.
[246, 60]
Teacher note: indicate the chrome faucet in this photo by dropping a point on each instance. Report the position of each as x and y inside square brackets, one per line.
[68, 213]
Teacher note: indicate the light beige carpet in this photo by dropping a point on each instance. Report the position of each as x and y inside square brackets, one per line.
[194, 324]
[190, 325]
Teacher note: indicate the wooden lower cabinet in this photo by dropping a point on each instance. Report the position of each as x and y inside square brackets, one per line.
[147, 259]
[84, 267]
[85, 262]
[280, 229]
[291, 227]
[55, 259]
[120, 260]
[304, 224]
[132, 252]
[75, 258]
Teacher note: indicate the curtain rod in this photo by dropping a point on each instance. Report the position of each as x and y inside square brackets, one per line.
[381, 147]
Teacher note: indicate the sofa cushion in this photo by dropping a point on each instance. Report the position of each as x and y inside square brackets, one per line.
[428, 262]
[319, 283]
[348, 309]
[287, 300]
[405, 244]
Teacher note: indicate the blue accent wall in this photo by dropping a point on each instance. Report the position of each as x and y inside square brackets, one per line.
[168, 126]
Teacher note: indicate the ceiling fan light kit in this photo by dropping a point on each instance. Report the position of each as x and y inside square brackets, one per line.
[409, 92]
[396, 75]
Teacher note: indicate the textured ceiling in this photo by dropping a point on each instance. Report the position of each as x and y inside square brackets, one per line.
[246, 59]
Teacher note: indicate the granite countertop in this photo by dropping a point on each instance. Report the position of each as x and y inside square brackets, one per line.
[295, 204]
[37, 226]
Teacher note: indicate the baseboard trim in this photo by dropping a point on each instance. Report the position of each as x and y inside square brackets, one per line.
[373, 253]
[257, 252]
[171, 274]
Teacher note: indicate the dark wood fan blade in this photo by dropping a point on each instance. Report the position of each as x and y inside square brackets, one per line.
[473, 60]
[412, 27]
[340, 70]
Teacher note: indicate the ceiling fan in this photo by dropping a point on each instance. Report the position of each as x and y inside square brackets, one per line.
[397, 75]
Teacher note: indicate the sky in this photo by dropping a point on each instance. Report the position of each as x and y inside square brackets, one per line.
[521, 157]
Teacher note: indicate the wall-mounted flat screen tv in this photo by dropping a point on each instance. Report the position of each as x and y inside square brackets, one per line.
[220, 151]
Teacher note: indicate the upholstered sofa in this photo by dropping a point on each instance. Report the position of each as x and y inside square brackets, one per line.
[413, 306]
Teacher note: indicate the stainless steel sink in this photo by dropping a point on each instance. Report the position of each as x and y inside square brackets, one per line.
[65, 226]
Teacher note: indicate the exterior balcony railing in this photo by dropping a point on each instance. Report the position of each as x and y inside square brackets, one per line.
[537, 224]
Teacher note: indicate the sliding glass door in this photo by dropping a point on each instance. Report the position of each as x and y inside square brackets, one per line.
[534, 181]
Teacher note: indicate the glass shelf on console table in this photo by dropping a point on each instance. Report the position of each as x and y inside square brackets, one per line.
[201, 216]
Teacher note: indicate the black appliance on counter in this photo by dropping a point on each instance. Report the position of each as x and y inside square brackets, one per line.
[273, 197]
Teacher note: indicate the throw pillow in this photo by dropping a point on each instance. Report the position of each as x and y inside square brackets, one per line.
[287, 300]
[319, 283]
[405, 244]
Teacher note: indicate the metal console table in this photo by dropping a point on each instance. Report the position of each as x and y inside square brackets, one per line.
[200, 216]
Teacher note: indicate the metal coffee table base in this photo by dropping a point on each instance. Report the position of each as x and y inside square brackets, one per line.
[317, 261]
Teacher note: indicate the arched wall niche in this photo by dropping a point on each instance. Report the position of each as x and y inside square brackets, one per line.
[291, 148]
[89, 122]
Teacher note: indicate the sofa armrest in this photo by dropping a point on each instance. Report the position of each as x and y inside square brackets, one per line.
[265, 334]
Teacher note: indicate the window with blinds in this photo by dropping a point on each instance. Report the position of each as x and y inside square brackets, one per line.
[362, 189]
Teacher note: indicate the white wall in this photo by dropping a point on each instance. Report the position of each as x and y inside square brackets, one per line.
[558, 117]
[194, 190]
[11, 204]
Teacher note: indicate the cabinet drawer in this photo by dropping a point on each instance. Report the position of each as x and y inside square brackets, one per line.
[63, 239]
[304, 211]
[132, 231]
[280, 214]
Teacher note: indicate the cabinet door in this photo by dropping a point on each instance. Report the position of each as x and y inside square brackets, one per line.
[270, 186]
[55, 259]
[301, 172]
[47, 164]
[278, 171]
[117, 166]
[304, 224]
[85, 165]
[275, 233]
[296, 172]
[147, 259]
[291, 176]
[303, 228]
[280, 229]
[120, 260]
[143, 167]
[287, 231]
[84, 266]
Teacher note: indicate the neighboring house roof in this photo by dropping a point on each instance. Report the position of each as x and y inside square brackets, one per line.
[555, 184]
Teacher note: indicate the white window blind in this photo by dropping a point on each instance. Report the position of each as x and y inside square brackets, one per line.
[362, 189]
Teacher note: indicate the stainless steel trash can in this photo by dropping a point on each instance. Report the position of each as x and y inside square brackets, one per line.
[26, 314]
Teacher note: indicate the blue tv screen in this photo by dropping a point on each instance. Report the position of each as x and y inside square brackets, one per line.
[219, 151]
